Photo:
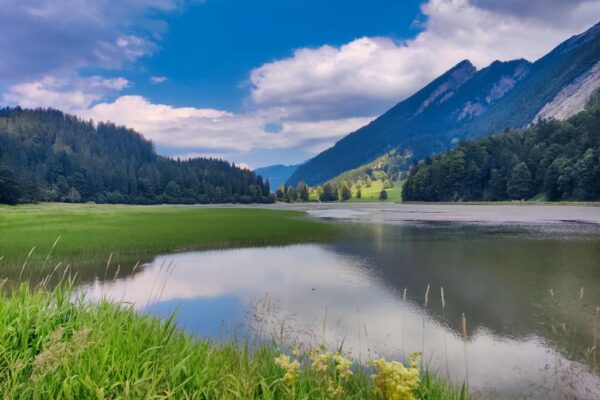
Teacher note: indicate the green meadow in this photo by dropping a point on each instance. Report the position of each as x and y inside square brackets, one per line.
[86, 233]
[371, 194]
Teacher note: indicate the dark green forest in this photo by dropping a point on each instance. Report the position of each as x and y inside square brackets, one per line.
[47, 155]
[551, 160]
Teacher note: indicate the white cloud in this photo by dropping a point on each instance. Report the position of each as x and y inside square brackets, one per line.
[69, 94]
[41, 37]
[371, 73]
[158, 79]
[216, 131]
[313, 98]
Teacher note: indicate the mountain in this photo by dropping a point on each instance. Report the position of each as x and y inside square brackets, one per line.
[46, 155]
[552, 159]
[466, 103]
[276, 174]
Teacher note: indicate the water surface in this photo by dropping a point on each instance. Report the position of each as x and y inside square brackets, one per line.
[529, 295]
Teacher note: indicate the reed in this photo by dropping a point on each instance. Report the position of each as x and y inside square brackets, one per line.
[85, 234]
[465, 335]
[55, 344]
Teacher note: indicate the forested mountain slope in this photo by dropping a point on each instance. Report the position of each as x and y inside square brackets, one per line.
[46, 155]
[465, 103]
[553, 160]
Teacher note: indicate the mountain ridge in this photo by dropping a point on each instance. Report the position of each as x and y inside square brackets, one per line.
[463, 103]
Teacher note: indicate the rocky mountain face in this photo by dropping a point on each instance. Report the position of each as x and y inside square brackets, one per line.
[466, 103]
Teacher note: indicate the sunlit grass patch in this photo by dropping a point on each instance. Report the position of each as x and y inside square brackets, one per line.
[54, 344]
[90, 233]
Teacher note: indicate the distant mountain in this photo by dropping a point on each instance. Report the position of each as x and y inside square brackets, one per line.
[465, 103]
[276, 174]
[551, 160]
[46, 155]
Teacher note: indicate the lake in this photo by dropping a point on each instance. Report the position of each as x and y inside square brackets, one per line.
[529, 295]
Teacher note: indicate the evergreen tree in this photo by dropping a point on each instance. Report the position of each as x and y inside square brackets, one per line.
[328, 193]
[58, 157]
[345, 193]
[520, 184]
[303, 192]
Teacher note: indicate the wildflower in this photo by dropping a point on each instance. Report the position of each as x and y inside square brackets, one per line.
[393, 381]
[296, 351]
[291, 368]
[321, 362]
[343, 366]
[334, 390]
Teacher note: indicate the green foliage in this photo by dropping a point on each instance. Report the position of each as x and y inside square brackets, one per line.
[386, 168]
[520, 184]
[63, 158]
[463, 103]
[358, 193]
[303, 191]
[345, 192]
[10, 188]
[556, 159]
[383, 195]
[329, 192]
[56, 345]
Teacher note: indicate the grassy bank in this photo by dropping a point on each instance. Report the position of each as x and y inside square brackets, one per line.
[53, 347]
[92, 232]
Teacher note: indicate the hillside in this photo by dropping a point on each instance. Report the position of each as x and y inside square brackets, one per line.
[465, 103]
[46, 155]
[554, 160]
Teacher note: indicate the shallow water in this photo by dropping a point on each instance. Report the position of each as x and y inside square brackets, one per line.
[529, 295]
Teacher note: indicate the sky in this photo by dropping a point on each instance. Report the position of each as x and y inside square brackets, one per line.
[257, 82]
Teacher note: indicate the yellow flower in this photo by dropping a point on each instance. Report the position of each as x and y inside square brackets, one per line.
[393, 381]
[343, 366]
[291, 368]
[321, 362]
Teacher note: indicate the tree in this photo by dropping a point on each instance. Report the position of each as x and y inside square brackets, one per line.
[10, 188]
[520, 184]
[63, 158]
[328, 193]
[280, 192]
[345, 193]
[358, 193]
[383, 195]
[302, 190]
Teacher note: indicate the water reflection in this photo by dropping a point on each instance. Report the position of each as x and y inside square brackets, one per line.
[530, 327]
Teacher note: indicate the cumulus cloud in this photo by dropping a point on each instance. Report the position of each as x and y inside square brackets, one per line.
[49, 37]
[371, 73]
[215, 132]
[71, 94]
[305, 102]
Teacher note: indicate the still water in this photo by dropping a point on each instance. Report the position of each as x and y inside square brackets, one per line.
[529, 295]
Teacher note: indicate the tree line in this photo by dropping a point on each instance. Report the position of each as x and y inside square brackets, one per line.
[552, 160]
[47, 155]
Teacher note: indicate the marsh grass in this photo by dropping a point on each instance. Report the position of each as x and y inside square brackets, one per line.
[55, 344]
[86, 234]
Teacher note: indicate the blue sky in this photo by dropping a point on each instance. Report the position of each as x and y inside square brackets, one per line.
[210, 50]
[257, 82]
